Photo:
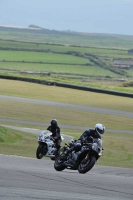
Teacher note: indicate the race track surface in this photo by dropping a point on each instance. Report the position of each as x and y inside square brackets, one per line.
[27, 178]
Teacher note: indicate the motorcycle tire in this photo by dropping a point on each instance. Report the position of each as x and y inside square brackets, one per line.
[59, 165]
[41, 151]
[52, 158]
[84, 166]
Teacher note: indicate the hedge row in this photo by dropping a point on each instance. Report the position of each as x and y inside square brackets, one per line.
[68, 86]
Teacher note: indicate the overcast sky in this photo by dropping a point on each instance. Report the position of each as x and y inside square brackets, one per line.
[93, 16]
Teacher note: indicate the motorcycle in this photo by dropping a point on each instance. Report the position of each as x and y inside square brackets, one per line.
[46, 145]
[82, 160]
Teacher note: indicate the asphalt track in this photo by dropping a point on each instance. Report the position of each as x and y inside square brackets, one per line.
[28, 178]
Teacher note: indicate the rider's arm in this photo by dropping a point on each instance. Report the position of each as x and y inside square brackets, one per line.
[49, 128]
[84, 136]
[57, 137]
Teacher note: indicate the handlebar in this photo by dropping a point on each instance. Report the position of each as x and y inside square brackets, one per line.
[87, 143]
[66, 144]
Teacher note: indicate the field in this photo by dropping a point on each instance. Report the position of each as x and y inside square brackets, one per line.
[58, 69]
[39, 57]
[118, 147]
[87, 66]
[67, 38]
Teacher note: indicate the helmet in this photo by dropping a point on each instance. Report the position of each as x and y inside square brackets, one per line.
[99, 128]
[54, 123]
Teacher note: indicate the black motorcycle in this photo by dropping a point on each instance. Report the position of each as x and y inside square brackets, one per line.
[82, 160]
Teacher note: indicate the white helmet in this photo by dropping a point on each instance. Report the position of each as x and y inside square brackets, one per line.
[99, 128]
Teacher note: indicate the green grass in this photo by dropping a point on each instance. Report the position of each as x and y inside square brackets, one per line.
[40, 113]
[6, 137]
[40, 57]
[99, 51]
[81, 39]
[58, 68]
[61, 48]
[92, 65]
[43, 92]
[18, 143]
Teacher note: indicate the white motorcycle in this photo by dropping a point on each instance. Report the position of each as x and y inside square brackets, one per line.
[46, 145]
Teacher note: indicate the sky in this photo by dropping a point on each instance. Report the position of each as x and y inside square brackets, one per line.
[90, 16]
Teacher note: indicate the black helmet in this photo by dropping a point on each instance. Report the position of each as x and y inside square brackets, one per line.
[99, 128]
[54, 123]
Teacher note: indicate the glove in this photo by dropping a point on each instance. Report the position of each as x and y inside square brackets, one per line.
[55, 138]
[91, 139]
[67, 152]
[51, 138]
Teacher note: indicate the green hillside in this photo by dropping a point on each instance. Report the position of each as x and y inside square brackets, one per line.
[42, 35]
[23, 53]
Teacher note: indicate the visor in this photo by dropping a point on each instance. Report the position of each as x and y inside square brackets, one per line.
[100, 131]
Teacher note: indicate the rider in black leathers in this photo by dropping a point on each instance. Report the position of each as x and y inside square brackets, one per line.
[88, 136]
[93, 133]
[56, 137]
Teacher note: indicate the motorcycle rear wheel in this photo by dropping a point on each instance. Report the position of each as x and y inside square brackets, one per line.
[86, 165]
[41, 151]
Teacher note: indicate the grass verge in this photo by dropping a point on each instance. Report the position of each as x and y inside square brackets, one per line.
[58, 94]
[18, 143]
[66, 116]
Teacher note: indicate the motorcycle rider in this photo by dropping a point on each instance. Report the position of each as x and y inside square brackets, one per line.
[56, 137]
[95, 133]
[88, 136]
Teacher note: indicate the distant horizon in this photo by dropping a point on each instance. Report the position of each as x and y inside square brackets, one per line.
[27, 27]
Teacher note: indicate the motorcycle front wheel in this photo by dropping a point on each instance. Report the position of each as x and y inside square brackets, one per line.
[59, 164]
[41, 151]
[86, 164]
